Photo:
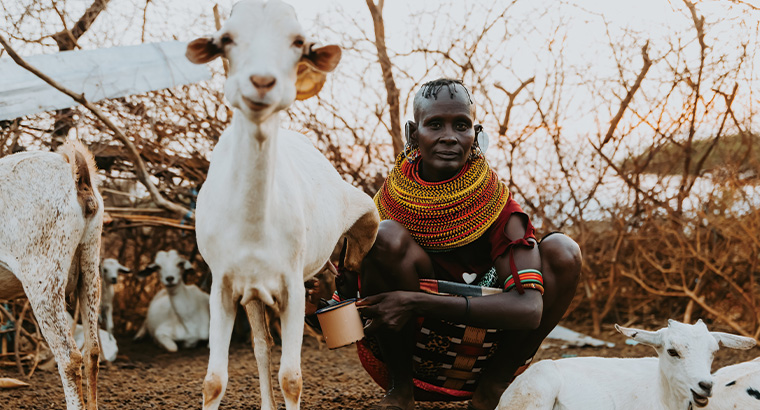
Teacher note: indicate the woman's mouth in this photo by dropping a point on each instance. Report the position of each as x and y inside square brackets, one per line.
[447, 154]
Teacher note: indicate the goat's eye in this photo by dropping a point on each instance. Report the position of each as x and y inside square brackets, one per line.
[298, 43]
[226, 40]
[673, 353]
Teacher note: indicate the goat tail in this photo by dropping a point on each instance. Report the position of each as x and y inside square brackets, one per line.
[83, 171]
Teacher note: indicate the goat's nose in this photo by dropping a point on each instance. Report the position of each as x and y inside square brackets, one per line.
[263, 83]
[707, 387]
[170, 279]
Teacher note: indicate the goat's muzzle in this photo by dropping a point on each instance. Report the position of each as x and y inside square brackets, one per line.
[699, 400]
[263, 83]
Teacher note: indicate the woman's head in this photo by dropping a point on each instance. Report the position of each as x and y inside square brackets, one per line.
[443, 128]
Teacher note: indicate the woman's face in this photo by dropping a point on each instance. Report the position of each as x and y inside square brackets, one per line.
[445, 135]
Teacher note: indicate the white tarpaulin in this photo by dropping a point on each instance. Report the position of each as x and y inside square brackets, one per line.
[573, 338]
[99, 74]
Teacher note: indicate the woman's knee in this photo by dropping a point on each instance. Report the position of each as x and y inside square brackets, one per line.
[391, 244]
[563, 256]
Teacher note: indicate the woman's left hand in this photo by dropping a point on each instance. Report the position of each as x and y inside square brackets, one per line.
[389, 310]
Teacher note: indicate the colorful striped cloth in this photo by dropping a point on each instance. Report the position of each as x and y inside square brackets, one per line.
[448, 357]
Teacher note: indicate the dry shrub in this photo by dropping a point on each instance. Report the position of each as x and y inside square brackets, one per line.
[652, 263]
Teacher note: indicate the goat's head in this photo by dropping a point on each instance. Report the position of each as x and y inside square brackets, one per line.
[686, 353]
[171, 267]
[272, 62]
[110, 269]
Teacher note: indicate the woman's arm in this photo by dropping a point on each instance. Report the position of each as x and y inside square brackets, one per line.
[509, 310]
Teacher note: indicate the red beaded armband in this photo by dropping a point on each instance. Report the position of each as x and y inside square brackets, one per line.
[528, 278]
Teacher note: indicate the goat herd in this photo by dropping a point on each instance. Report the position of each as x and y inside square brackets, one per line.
[268, 217]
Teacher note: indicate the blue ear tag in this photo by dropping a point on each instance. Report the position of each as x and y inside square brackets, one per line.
[483, 141]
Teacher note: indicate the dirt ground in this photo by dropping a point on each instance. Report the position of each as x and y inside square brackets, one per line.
[146, 377]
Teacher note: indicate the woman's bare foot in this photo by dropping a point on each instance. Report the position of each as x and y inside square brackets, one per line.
[396, 399]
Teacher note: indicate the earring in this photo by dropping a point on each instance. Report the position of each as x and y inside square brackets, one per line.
[480, 145]
[411, 152]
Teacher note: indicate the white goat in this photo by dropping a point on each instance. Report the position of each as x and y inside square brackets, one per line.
[109, 349]
[52, 218]
[681, 377]
[109, 269]
[178, 312]
[737, 387]
[272, 207]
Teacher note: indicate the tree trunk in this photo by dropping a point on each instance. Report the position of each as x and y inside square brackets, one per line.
[393, 94]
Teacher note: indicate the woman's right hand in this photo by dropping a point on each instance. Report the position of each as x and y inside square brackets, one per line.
[388, 311]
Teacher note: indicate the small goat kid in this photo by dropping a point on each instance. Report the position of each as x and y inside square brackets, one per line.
[109, 269]
[52, 218]
[272, 207]
[178, 312]
[677, 380]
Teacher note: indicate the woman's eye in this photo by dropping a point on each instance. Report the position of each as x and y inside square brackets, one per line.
[298, 43]
[462, 126]
[673, 353]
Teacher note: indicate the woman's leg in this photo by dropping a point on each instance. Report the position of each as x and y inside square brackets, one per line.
[561, 267]
[395, 262]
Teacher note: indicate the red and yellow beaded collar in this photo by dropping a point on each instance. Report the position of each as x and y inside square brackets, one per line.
[442, 215]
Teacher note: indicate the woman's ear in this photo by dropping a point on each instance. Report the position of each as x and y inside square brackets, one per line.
[410, 132]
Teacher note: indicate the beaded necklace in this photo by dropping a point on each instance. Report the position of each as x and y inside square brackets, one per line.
[442, 215]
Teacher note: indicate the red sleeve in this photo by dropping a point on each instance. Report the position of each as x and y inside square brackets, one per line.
[500, 244]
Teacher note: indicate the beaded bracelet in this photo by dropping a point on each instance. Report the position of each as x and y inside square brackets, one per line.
[529, 278]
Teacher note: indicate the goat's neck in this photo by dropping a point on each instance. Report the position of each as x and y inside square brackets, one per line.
[179, 296]
[254, 157]
[671, 396]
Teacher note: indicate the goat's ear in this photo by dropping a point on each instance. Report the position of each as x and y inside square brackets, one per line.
[312, 69]
[646, 337]
[734, 341]
[202, 50]
[123, 269]
[148, 270]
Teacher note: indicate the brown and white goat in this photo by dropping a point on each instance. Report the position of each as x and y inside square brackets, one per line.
[51, 218]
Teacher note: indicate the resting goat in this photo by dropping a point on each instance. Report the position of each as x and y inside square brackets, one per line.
[109, 269]
[677, 380]
[52, 218]
[737, 387]
[178, 312]
[272, 207]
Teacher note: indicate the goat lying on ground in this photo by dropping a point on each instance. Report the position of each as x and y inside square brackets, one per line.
[109, 269]
[737, 387]
[108, 347]
[679, 378]
[178, 312]
[52, 218]
[272, 207]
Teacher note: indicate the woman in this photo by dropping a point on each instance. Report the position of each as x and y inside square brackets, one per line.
[447, 217]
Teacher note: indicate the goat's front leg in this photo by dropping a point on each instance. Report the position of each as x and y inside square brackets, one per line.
[49, 308]
[261, 341]
[222, 310]
[89, 296]
[291, 381]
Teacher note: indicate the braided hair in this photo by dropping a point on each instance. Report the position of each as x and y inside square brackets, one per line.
[431, 89]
